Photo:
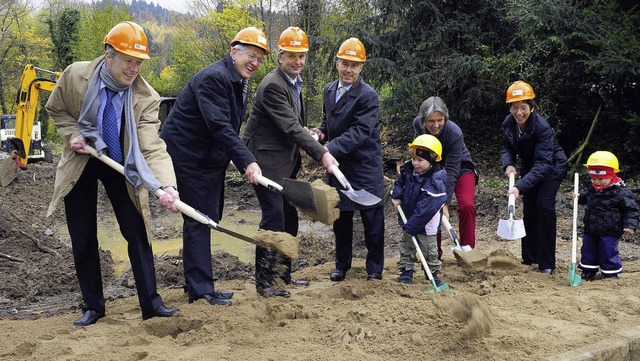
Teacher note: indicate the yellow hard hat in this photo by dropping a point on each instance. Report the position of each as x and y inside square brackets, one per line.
[293, 39]
[128, 38]
[518, 91]
[604, 159]
[352, 49]
[430, 142]
[252, 36]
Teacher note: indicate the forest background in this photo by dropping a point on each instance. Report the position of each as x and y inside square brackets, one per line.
[581, 57]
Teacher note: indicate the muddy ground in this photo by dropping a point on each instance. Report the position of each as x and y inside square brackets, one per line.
[498, 311]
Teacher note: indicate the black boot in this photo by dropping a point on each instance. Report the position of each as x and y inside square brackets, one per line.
[406, 276]
[436, 279]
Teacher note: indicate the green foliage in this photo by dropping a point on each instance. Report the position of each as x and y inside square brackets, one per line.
[578, 55]
[64, 34]
[95, 23]
[201, 41]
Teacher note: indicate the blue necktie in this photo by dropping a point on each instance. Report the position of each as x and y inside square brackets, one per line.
[110, 133]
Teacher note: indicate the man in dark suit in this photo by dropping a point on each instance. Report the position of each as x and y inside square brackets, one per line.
[201, 133]
[107, 103]
[275, 132]
[351, 127]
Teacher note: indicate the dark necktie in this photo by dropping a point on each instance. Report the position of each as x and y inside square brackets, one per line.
[245, 90]
[110, 133]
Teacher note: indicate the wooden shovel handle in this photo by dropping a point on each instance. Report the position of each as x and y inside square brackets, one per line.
[180, 205]
[512, 197]
[341, 178]
[574, 232]
[266, 182]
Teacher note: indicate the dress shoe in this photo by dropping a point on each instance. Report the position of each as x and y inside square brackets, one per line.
[89, 317]
[223, 295]
[374, 276]
[273, 292]
[212, 299]
[161, 311]
[338, 275]
[299, 283]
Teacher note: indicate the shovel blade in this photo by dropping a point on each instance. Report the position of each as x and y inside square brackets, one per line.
[511, 229]
[361, 197]
[8, 171]
[443, 287]
[299, 194]
[574, 279]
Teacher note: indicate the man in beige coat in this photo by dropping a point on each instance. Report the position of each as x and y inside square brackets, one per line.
[105, 103]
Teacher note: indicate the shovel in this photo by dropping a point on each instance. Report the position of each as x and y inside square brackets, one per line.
[425, 266]
[361, 196]
[298, 193]
[287, 246]
[574, 279]
[8, 170]
[454, 237]
[510, 228]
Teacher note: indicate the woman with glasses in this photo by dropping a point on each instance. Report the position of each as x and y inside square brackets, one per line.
[528, 135]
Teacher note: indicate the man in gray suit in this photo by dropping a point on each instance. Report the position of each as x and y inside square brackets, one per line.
[275, 132]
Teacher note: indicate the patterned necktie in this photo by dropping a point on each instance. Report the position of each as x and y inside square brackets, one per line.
[245, 90]
[110, 133]
[341, 91]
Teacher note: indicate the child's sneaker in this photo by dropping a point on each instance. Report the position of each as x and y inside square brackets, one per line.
[406, 276]
[436, 279]
[610, 276]
[588, 276]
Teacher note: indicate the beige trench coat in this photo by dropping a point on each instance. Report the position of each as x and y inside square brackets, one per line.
[64, 106]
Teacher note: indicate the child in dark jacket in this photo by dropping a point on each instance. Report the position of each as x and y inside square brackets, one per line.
[421, 191]
[611, 211]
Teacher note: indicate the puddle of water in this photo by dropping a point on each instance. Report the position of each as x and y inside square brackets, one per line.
[243, 222]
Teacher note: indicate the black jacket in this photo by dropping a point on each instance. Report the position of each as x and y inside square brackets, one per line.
[352, 127]
[541, 155]
[609, 211]
[202, 129]
[455, 155]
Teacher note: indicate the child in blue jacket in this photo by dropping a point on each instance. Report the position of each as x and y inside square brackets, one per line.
[421, 191]
[611, 211]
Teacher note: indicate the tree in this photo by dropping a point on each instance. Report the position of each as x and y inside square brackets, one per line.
[64, 34]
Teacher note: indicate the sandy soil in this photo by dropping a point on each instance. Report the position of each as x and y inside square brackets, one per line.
[501, 311]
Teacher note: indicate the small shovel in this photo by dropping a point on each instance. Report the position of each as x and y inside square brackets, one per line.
[510, 228]
[298, 193]
[361, 196]
[425, 266]
[287, 245]
[8, 171]
[454, 237]
[574, 279]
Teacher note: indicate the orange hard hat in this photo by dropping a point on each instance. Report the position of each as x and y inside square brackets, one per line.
[518, 91]
[128, 38]
[352, 49]
[252, 36]
[293, 39]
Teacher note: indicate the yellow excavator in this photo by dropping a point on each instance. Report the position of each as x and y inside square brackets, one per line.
[21, 134]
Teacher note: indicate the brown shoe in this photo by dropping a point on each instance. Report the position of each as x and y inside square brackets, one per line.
[273, 292]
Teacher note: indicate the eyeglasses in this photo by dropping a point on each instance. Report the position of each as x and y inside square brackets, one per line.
[523, 109]
[255, 59]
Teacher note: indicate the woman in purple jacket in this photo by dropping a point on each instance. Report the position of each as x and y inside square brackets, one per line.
[461, 175]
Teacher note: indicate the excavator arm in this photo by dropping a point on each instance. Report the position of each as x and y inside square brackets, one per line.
[27, 104]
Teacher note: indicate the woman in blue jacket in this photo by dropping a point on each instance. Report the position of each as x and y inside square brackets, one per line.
[543, 166]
